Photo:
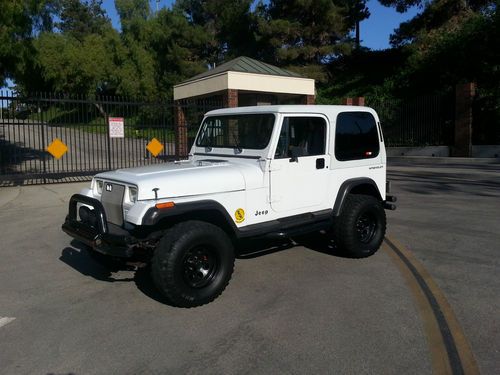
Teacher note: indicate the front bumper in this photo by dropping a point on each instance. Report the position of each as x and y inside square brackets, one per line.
[104, 237]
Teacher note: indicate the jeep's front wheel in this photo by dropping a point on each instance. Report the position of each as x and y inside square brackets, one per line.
[360, 228]
[193, 263]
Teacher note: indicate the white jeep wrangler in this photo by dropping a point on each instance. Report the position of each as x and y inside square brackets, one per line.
[267, 171]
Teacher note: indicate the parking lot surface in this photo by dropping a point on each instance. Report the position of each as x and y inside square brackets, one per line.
[294, 309]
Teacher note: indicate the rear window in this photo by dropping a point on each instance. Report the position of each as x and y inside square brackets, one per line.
[356, 136]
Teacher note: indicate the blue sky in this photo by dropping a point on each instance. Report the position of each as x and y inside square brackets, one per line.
[375, 31]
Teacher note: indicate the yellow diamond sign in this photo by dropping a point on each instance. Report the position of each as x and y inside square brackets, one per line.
[154, 147]
[57, 148]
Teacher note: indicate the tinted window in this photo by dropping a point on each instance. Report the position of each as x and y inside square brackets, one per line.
[356, 136]
[304, 135]
[238, 131]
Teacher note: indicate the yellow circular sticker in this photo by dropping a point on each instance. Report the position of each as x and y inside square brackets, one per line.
[239, 215]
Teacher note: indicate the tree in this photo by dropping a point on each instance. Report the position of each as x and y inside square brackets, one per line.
[81, 18]
[302, 32]
[72, 66]
[134, 15]
[162, 48]
[440, 40]
[228, 24]
[177, 47]
[20, 20]
[358, 11]
[442, 15]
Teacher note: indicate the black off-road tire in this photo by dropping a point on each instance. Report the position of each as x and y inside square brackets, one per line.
[360, 228]
[193, 263]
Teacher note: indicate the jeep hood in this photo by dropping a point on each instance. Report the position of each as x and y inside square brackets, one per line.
[180, 179]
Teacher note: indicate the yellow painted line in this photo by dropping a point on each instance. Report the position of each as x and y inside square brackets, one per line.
[450, 350]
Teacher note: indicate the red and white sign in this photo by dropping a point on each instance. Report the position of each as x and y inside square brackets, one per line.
[116, 127]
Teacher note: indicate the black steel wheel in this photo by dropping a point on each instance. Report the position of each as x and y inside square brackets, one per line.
[366, 226]
[360, 228]
[193, 263]
[200, 266]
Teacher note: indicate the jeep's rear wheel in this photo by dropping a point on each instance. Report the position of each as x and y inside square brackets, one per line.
[360, 228]
[193, 263]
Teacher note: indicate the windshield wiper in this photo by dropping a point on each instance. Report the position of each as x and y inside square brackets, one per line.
[237, 144]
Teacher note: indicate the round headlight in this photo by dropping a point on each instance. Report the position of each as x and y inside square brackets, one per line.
[99, 185]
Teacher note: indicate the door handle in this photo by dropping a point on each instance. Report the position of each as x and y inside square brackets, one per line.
[320, 163]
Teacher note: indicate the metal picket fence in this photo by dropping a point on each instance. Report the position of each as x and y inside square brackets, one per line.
[30, 124]
[415, 122]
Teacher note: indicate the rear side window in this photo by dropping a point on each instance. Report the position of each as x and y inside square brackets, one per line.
[356, 136]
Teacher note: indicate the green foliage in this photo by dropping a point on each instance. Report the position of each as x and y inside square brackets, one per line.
[19, 20]
[301, 32]
[70, 46]
[450, 42]
[177, 47]
[80, 19]
[447, 43]
[436, 15]
[228, 24]
[73, 66]
[134, 16]
[363, 73]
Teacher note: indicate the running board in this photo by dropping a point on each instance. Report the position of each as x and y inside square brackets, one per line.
[299, 231]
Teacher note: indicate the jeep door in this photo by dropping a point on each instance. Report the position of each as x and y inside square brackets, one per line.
[299, 169]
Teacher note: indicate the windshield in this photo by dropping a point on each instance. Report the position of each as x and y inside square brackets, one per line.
[237, 131]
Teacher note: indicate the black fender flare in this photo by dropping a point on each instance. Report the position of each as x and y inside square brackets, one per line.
[153, 216]
[347, 186]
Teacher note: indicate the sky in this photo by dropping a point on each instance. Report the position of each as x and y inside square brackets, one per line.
[375, 31]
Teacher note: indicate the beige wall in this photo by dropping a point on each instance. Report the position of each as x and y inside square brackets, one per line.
[245, 81]
[269, 83]
[201, 86]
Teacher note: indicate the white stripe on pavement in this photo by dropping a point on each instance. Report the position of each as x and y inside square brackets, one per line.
[5, 320]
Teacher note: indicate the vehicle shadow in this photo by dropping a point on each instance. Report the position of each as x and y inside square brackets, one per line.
[79, 257]
[318, 242]
[323, 244]
[261, 247]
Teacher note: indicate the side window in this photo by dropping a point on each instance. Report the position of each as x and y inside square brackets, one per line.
[356, 136]
[301, 136]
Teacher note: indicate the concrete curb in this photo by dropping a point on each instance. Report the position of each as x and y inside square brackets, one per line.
[440, 160]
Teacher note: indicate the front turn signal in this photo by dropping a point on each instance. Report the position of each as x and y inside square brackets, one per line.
[165, 205]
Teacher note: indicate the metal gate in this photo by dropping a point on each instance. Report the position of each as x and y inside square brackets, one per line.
[86, 135]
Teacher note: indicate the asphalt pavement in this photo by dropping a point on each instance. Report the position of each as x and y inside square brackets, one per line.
[449, 216]
[296, 309]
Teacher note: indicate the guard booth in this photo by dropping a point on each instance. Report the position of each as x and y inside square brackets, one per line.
[237, 83]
